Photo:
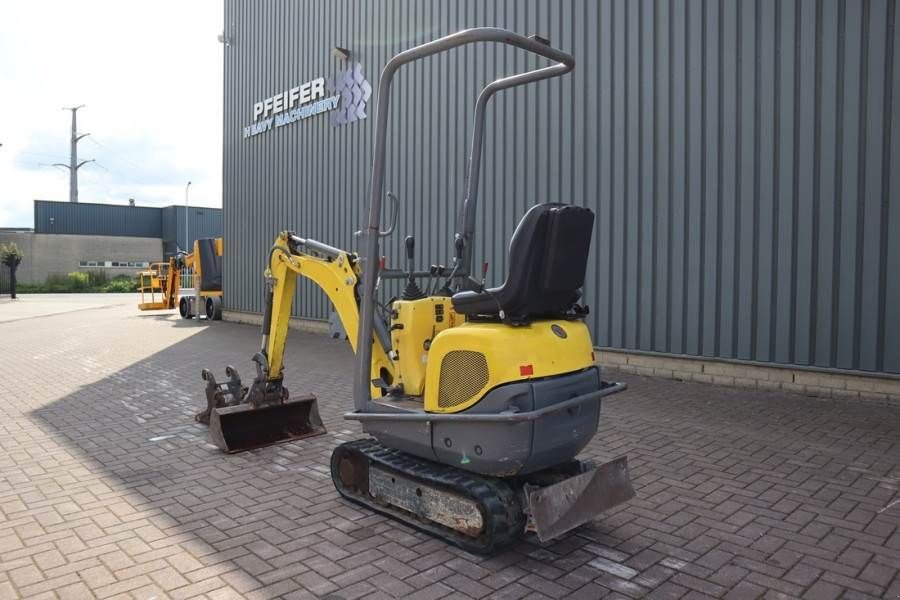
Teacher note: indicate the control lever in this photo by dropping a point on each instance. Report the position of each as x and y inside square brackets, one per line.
[459, 244]
[433, 271]
[410, 244]
[412, 291]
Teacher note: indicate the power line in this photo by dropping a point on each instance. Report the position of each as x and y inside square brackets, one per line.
[117, 158]
[42, 154]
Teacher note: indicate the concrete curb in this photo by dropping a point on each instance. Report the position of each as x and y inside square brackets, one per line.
[819, 382]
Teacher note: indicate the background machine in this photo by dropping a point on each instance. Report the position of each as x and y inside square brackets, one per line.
[165, 286]
[476, 400]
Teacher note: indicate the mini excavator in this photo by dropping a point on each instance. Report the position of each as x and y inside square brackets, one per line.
[160, 285]
[477, 400]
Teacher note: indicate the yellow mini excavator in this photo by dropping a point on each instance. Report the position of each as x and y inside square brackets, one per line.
[160, 285]
[476, 400]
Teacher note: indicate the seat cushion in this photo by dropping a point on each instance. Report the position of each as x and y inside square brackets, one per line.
[475, 303]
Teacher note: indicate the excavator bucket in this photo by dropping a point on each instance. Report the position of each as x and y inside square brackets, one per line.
[555, 509]
[236, 424]
[243, 427]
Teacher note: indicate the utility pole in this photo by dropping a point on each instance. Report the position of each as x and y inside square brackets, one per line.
[188, 247]
[74, 165]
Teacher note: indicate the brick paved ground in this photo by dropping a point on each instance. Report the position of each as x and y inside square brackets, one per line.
[108, 489]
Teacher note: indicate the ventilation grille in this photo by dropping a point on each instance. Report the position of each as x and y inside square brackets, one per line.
[464, 373]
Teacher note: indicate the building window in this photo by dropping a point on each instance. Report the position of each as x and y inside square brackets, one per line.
[114, 264]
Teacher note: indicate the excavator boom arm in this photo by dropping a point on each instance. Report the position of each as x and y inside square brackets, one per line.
[337, 276]
[242, 417]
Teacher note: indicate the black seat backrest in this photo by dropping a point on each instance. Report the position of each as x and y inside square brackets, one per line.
[210, 266]
[547, 262]
[568, 243]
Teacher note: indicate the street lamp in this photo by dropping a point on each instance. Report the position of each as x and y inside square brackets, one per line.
[186, 239]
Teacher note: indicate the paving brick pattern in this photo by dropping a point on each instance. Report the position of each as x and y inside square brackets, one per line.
[107, 488]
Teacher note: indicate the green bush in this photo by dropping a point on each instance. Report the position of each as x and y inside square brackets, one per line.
[54, 283]
[79, 281]
[122, 284]
[96, 279]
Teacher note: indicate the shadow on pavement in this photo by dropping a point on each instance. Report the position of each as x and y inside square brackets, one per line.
[267, 517]
[730, 484]
[173, 319]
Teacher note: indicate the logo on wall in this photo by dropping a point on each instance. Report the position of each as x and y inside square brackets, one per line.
[348, 93]
[351, 85]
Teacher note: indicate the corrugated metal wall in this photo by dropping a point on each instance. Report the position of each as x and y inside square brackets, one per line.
[741, 157]
[96, 219]
[203, 222]
[138, 221]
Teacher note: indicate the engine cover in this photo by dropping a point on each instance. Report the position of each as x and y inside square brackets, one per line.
[467, 361]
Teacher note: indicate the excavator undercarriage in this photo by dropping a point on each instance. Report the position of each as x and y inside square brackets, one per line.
[478, 513]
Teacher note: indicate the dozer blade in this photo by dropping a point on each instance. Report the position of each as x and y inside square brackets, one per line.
[563, 506]
[243, 427]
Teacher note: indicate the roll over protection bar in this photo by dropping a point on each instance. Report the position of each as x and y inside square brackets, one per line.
[563, 63]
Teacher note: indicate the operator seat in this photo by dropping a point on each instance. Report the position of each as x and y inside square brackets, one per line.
[547, 262]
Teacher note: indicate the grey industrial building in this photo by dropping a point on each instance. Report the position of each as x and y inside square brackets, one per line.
[742, 159]
[117, 239]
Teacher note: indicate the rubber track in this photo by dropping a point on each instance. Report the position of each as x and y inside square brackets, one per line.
[498, 501]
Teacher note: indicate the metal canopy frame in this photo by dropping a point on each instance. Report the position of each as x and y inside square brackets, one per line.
[370, 234]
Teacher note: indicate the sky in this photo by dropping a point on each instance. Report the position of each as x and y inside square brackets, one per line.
[150, 77]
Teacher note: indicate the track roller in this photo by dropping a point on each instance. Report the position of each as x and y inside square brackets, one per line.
[478, 514]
